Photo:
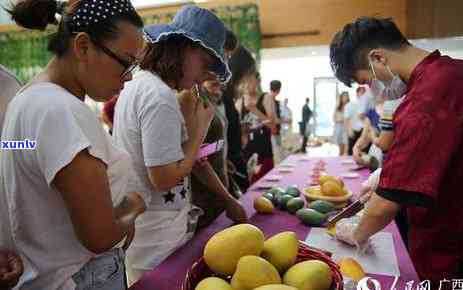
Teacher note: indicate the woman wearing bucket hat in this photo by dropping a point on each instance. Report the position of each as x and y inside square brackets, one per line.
[56, 199]
[163, 137]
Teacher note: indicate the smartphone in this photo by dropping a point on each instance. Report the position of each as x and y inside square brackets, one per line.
[209, 149]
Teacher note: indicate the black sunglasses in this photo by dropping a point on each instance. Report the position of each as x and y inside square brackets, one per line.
[128, 66]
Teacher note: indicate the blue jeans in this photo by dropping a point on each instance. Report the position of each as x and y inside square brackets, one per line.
[104, 272]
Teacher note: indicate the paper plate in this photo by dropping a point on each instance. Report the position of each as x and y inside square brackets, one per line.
[287, 165]
[309, 195]
[348, 162]
[273, 178]
[350, 175]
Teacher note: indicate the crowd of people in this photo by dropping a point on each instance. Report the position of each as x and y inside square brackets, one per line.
[85, 207]
[89, 204]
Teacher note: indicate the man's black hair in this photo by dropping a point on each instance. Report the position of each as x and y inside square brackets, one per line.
[350, 47]
[275, 86]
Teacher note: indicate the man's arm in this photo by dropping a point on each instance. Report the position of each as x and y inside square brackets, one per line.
[269, 105]
[378, 214]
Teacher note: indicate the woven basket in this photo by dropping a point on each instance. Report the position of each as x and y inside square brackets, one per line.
[199, 270]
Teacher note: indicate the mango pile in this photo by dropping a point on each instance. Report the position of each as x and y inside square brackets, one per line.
[253, 263]
[329, 186]
[284, 199]
[289, 200]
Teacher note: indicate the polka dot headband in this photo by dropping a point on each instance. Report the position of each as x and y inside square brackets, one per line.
[93, 12]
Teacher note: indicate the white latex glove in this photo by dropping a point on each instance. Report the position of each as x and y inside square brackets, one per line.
[371, 184]
[345, 232]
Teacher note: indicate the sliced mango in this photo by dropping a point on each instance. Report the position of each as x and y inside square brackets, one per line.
[331, 231]
[351, 268]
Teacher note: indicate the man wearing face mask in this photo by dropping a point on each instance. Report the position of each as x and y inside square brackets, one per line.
[424, 168]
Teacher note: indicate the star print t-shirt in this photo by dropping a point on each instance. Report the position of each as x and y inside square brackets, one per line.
[148, 124]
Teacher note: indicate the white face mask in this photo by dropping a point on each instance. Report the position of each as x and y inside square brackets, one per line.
[394, 90]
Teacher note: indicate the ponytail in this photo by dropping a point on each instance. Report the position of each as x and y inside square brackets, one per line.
[35, 14]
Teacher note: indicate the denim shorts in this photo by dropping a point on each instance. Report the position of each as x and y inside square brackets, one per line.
[104, 272]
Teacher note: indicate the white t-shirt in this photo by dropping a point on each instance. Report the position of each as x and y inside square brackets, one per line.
[286, 114]
[352, 112]
[360, 106]
[148, 123]
[36, 221]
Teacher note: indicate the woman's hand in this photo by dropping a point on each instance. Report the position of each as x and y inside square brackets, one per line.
[127, 211]
[11, 269]
[235, 211]
[357, 155]
[197, 114]
[203, 119]
[130, 207]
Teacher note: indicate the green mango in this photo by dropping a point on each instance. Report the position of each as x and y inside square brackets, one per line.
[322, 206]
[293, 191]
[276, 191]
[311, 217]
[269, 196]
[282, 200]
[294, 205]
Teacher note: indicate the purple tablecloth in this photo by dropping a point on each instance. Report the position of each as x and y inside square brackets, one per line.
[170, 274]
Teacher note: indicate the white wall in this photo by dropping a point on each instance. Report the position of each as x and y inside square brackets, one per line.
[296, 68]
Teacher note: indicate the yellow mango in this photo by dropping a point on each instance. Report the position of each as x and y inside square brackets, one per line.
[325, 178]
[252, 272]
[275, 287]
[263, 205]
[332, 188]
[309, 275]
[281, 250]
[224, 249]
[351, 268]
[213, 283]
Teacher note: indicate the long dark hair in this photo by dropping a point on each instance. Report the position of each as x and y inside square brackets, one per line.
[38, 14]
[341, 104]
[241, 64]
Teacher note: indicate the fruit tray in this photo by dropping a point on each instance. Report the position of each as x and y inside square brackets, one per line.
[309, 195]
[199, 270]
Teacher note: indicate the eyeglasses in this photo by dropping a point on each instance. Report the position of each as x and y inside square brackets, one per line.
[128, 66]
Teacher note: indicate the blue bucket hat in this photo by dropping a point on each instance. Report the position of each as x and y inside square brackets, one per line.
[201, 26]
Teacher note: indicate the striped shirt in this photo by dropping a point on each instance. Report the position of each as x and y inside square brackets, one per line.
[386, 122]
